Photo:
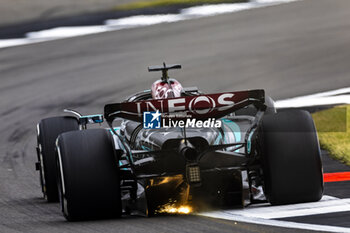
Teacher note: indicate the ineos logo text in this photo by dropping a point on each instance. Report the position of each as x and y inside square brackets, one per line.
[198, 105]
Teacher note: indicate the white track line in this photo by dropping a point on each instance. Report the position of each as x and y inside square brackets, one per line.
[335, 97]
[276, 223]
[267, 211]
[138, 21]
[264, 213]
[64, 32]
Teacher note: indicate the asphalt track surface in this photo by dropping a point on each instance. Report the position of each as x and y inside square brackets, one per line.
[289, 50]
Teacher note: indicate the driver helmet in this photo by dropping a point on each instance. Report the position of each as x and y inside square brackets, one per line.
[166, 89]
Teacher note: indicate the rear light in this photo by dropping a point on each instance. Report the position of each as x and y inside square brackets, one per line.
[193, 174]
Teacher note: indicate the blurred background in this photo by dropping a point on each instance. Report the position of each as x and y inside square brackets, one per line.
[19, 11]
[290, 50]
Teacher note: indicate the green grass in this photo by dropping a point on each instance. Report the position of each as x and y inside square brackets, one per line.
[333, 127]
[157, 3]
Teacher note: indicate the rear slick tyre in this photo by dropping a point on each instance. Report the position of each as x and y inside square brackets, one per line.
[89, 175]
[291, 158]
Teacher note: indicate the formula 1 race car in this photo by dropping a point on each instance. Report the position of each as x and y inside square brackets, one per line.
[178, 154]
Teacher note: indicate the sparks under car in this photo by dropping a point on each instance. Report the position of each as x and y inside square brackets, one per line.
[205, 151]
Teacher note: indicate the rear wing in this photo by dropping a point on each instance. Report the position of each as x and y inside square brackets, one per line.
[199, 106]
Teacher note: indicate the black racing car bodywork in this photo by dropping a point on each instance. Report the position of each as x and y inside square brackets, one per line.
[162, 160]
[249, 157]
